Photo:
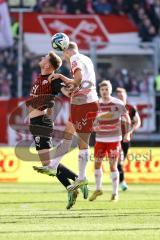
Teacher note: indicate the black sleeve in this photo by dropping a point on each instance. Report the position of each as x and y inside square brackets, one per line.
[57, 84]
[134, 110]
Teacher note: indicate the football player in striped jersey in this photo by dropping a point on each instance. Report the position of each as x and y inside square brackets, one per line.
[108, 137]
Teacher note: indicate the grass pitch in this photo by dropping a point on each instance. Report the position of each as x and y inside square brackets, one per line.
[37, 211]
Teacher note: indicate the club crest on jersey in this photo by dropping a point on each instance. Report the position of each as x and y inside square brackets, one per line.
[44, 82]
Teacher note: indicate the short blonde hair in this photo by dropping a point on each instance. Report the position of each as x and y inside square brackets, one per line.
[105, 83]
[119, 89]
[72, 46]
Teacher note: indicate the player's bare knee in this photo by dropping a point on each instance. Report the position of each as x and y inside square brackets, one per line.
[113, 164]
[98, 163]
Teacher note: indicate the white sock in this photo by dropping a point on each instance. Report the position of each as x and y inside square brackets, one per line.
[115, 181]
[98, 178]
[61, 149]
[82, 163]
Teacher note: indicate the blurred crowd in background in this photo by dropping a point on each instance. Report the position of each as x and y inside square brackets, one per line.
[134, 83]
[145, 13]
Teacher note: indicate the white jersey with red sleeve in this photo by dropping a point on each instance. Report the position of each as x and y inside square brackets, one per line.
[107, 125]
[86, 92]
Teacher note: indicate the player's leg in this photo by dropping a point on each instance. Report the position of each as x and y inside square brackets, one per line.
[45, 156]
[61, 149]
[125, 147]
[55, 157]
[63, 170]
[63, 174]
[83, 117]
[113, 155]
[43, 145]
[99, 153]
[83, 157]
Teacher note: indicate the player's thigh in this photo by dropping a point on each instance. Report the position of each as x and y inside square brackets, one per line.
[83, 116]
[69, 130]
[83, 140]
[99, 154]
[113, 152]
[113, 162]
[98, 163]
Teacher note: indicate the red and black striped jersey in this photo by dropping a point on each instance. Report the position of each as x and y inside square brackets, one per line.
[40, 86]
[42, 92]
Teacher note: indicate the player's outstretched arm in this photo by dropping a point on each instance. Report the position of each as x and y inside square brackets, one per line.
[76, 81]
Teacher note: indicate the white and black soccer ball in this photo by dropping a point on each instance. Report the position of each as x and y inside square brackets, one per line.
[60, 41]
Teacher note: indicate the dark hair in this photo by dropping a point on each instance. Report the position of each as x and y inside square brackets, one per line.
[55, 60]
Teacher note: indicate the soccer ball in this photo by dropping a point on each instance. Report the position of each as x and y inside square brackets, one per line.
[60, 41]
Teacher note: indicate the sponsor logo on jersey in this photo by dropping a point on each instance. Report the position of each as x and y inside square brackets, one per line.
[44, 82]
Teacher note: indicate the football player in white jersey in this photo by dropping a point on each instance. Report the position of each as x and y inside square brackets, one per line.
[84, 106]
[108, 137]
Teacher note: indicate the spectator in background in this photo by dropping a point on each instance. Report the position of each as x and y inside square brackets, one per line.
[5, 88]
[143, 85]
[141, 11]
[125, 76]
[4, 83]
[119, 7]
[75, 6]
[38, 6]
[134, 12]
[27, 71]
[46, 6]
[147, 31]
[12, 67]
[89, 7]
[102, 7]
[15, 28]
[118, 79]
[153, 11]
[134, 86]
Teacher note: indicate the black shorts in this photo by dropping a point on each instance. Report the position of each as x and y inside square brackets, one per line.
[41, 128]
[125, 147]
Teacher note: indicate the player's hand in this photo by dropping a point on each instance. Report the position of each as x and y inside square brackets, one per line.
[70, 87]
[66, 92]
[127, 137]
[54, 76]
